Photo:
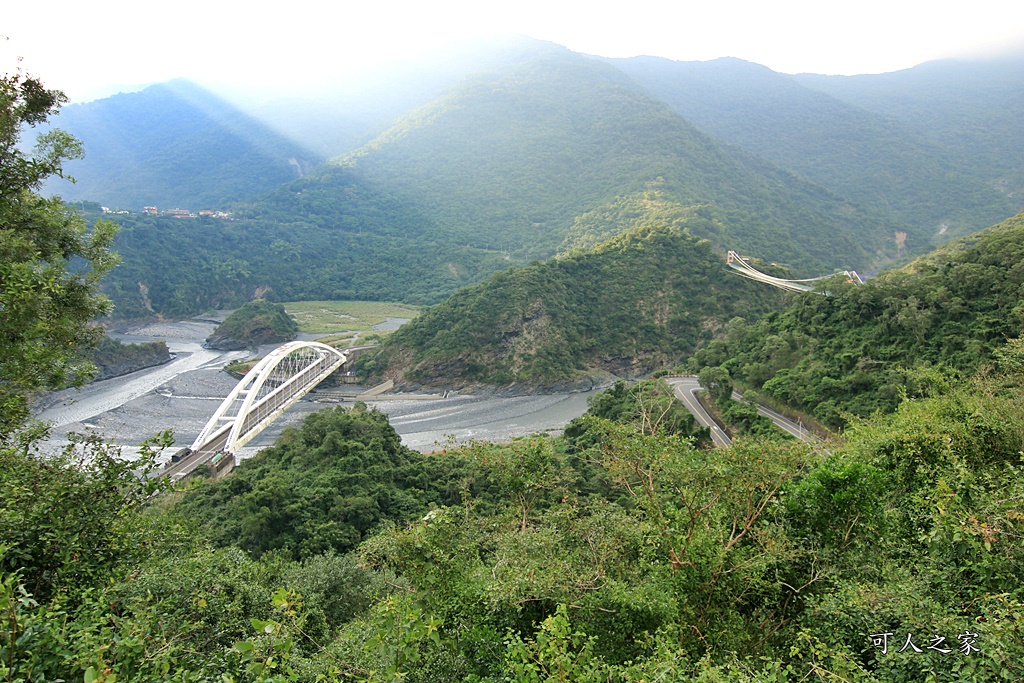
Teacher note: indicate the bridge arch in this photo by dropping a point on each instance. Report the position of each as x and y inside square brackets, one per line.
[275, 383]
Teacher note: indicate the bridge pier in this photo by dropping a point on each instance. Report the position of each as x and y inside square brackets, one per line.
[221, 464]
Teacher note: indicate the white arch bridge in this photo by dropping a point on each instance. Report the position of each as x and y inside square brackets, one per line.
[740, 265]
[278, 381]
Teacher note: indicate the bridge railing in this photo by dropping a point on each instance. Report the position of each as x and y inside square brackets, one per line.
[287, 373]
[259, 414]
[741, 266]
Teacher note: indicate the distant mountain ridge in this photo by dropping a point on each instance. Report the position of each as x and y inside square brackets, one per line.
[973, 107]
[497, 170]
[804, 124]
[491, 174]
[507, 160]
[174, 145]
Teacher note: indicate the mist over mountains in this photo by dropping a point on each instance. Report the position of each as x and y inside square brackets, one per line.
[174, 145]
[413, 191]
[883, 153]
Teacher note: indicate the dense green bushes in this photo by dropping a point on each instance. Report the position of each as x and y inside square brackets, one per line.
[112, 358]
[254, 324]
[907, 333]
[640, 300]
[768, 561]
[321, 488]
[621, 557]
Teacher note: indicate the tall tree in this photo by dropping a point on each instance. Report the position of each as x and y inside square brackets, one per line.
[50, 262]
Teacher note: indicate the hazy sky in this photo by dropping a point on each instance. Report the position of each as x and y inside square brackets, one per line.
[87, 48]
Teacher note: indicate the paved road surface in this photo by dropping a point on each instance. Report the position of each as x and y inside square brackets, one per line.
[785, 424]
[686, 387]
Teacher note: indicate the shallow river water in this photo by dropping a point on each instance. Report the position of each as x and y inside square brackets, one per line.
[181, 396]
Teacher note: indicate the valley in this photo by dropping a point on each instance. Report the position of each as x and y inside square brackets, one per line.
[182, 395]
[584, 471]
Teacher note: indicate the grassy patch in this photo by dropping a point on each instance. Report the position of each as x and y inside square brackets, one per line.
[239, 368]
[331, 317]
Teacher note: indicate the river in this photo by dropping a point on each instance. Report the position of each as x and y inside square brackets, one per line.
[182, 394]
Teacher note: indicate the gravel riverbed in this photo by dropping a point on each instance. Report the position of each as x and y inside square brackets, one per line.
[183, 394]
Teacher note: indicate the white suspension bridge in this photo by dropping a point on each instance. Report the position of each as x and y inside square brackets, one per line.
[741, 266]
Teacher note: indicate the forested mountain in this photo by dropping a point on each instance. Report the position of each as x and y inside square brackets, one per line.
[860, 152]
[509, 159]
[634, 303]
[971, 106]
[177, 144]
[497, 170]
[179, 267]
[491, 174]
[907, 333]
[174, 145]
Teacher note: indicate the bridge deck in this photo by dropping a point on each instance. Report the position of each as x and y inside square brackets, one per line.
[273, 385]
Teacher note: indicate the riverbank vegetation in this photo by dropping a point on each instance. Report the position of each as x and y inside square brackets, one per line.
[254, 324]
[113, 358]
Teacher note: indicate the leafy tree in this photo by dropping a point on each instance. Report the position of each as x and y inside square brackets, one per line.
[324, 486]
[907, 333]
[65, 520]
[650, 406]
[257, 322]
[50, 263]
[716, 381]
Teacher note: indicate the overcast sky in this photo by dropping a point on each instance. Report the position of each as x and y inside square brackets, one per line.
[90, 49]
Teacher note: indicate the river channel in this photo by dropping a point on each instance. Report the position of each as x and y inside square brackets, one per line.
[182, 394]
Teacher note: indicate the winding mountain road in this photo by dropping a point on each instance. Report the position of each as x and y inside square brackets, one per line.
[686, 389]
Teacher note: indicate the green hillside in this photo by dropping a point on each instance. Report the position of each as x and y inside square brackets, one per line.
[254, 324]
[496, 171]
[634, 303]
[171, 145]
[493, 174]
[971, 106]
[508, 160]
[182, 267]
[907, 333]
[867, 156]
